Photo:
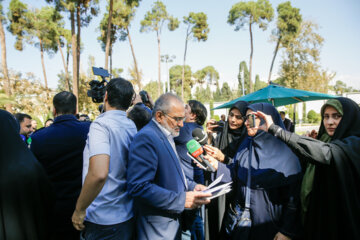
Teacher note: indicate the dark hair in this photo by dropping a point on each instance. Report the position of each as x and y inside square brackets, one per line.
[199, 110]
[120, 93]
[282, 112]
[49, 119]
[21, 116]
[65, 103]
[140, 116]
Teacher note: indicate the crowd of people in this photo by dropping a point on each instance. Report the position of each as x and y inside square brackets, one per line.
[128, 174]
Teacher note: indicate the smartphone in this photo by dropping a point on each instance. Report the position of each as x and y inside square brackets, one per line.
[252, 120]
[220, 127]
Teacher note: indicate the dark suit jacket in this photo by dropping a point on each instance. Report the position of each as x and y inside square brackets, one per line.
[156, 182]
[59, 149]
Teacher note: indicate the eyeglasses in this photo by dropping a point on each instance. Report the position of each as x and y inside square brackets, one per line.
[177, 119]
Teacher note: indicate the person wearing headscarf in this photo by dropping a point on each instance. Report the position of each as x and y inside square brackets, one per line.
[224, 149]
[26, 197]
[330, 192]
[229, 139]
[274, 184]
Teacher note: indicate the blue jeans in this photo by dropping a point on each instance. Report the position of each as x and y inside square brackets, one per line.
[124, 231]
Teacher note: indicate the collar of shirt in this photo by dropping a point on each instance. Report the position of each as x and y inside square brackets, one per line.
[114, 112]
[170, 138]
[64, 117]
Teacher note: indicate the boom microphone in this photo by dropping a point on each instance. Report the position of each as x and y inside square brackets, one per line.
[195, 149]
[200, 136]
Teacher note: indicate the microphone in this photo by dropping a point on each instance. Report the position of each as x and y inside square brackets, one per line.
[195, 149]
[200, 136]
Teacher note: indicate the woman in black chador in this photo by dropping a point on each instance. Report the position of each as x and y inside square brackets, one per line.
[25, 191]
[330, 191]
[224, 148]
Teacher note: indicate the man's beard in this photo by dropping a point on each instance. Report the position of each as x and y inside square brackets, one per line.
[172, 131]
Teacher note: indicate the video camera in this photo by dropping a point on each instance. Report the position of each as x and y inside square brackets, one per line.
[97, 88]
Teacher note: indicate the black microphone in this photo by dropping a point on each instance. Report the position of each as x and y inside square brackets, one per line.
[200, 136]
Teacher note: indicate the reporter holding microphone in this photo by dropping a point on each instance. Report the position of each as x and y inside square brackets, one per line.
[223, 147]
[330, 192]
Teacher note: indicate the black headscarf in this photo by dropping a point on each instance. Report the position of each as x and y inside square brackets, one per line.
[229, 139]
[273, 163]
[25, 193]
[335, 200]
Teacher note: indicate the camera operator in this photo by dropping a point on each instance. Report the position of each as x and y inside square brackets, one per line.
[104, 203]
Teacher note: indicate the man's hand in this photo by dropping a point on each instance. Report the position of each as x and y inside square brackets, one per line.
[196, 199]
[280, 236]
[214, 152]
[199, 188]
[78, 219]
[268, 120]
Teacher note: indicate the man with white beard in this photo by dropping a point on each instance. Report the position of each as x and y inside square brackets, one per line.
[156, 181]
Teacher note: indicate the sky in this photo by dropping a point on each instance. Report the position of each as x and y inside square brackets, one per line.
[225, 48]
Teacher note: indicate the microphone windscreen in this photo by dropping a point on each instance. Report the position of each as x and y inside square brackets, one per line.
[194, 148]
[200, 136]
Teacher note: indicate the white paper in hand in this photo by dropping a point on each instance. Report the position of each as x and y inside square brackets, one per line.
[218, 190]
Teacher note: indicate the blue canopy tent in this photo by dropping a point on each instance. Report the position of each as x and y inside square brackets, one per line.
[278, 96]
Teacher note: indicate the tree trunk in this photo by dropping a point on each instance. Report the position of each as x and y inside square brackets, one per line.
[108, 35]
[67, 66]
[159, 63]
[7, 85]
[110, 53]
[74, 57]
[135, 62]
[66, 70]
[43, 64]
[183, 68]
[78, 41]
[251, 56]
[273, 60]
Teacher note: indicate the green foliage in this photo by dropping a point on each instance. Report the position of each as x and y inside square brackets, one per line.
[122, 15]
[30, 95]
[208, 74]
[340, 88]
[299, 67]
[243, 73]
[197, 26]
[19, 21]
[313, 117]
[259, 84]
[151, 88]
[288, 23]
[62, 82]
[226, 92]
[247, 13]
[202, 95]
[175, 74]
[154, 19]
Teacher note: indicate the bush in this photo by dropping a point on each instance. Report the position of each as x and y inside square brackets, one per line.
[313, 117]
